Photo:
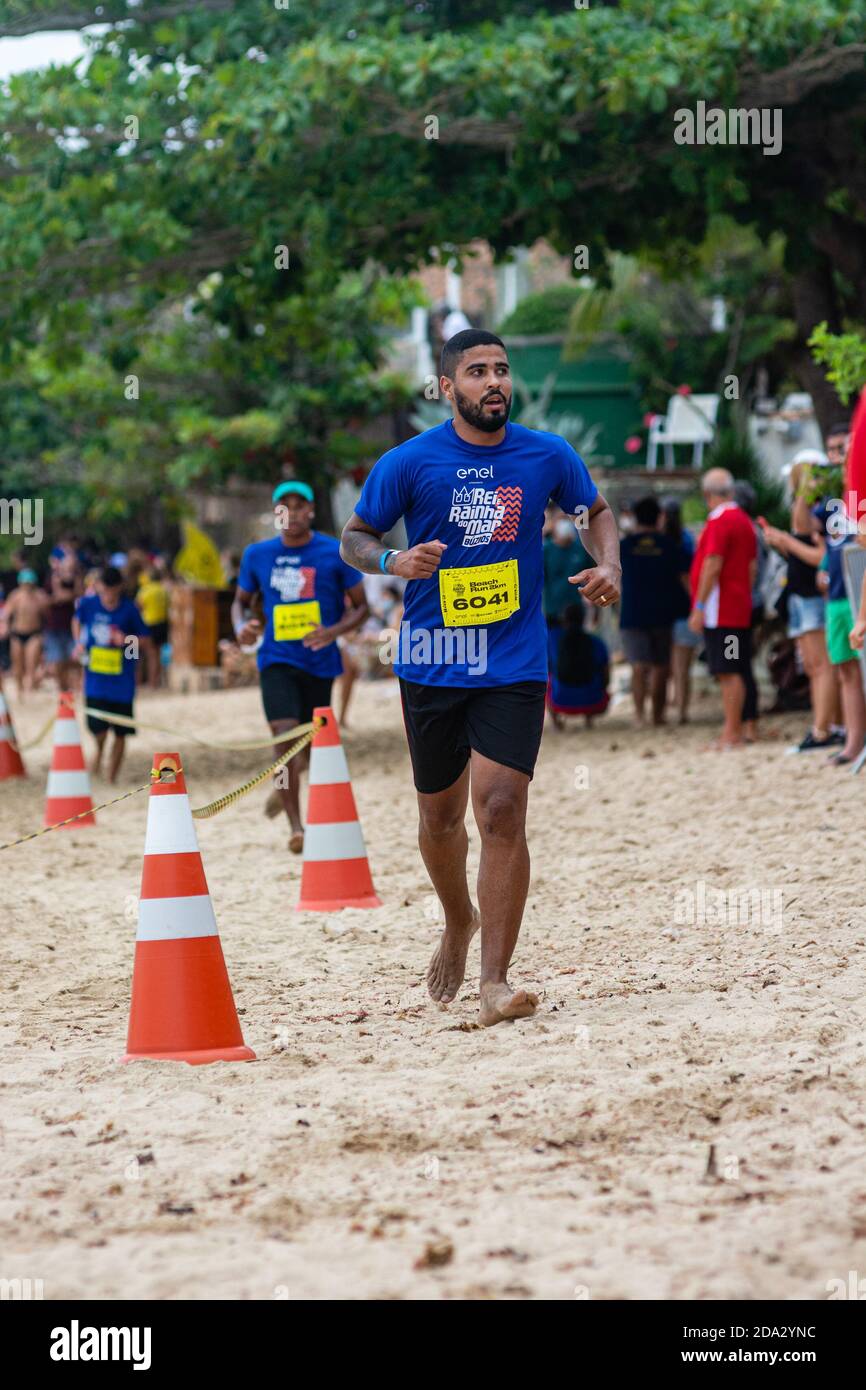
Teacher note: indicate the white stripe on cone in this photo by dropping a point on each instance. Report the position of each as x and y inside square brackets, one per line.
[5, 732]
[67, 784]
[66, 732]
[169, 919]
[335, 840]
[170, 828]
[328, 765]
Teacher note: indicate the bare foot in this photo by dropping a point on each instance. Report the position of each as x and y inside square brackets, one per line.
[274, 804]
[296, 842]
[499, 1001]
[448, 965]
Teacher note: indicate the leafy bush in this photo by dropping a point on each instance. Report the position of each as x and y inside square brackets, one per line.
[548, 311]
[845, 355]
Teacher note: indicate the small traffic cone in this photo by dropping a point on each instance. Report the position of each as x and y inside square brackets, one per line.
[336, 872]
[10, 759]
[182, 1005]
[68, 790]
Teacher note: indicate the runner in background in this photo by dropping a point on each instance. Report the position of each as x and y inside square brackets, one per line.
[110, 632]
[310, 599]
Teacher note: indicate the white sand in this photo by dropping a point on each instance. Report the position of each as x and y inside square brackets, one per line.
[553, 1155]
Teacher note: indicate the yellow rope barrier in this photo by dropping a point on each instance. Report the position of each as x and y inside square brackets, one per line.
[31, 743]
[137, 723]
[167, 772]
[70, 820]
[214, 807]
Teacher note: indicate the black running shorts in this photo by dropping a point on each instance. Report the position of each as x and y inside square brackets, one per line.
[444, 723]
[290, 693]
[101, 726]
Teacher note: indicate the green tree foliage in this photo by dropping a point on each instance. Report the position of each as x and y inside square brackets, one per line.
[197, 137]
[662, 309]
[547, 311]
[845, 355]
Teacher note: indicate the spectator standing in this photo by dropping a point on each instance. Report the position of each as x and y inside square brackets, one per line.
[684, 642]
[723, 573]
[152, 600]
[839, 620]
[804, 547]
[651, 563]
[563, 555]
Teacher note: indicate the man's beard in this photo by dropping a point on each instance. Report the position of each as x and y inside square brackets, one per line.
[475, 416]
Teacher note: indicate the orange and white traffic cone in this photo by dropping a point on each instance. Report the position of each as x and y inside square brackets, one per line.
[182, 1004]
[68, 790]
[10, 759]
[336, 872]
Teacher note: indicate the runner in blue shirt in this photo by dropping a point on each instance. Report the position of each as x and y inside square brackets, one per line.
[471, 653]
[310, 599]
[109, 630]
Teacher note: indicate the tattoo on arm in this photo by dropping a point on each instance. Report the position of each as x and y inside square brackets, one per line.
[361, 547]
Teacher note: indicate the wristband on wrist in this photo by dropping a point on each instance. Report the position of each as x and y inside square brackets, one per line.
[699, 607]
[384, 558]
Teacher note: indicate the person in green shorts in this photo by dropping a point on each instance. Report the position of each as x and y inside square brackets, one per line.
[843, 658]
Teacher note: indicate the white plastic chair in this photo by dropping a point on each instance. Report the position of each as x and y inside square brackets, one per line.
[689, 420]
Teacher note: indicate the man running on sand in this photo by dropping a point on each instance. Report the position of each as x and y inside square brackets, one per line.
[472, 649]
[310, 599]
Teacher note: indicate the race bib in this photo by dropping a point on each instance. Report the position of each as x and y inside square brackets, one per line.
[479, 594]
[292, 621]
[105, 661]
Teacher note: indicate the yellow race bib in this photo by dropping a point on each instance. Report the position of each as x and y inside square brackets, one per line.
[479, 594]
[292, 621]
[105, 661]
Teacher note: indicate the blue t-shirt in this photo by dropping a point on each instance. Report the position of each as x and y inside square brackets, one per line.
[303, 587]
[652, 591]
[110, 670]
[486, 504]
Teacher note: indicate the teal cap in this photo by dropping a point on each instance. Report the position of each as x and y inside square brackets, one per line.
[28, 577]
[302, 489]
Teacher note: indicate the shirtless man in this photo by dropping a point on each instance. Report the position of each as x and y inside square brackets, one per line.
[23, 613]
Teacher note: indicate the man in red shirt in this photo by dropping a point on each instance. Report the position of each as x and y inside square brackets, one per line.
[722, 577]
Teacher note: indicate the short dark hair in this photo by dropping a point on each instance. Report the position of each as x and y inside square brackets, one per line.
[111, 577]
[647, 511]
[461, 342]
[840, 427]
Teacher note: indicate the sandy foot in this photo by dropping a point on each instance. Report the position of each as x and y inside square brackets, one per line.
[500, 1001]
[448, 965]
